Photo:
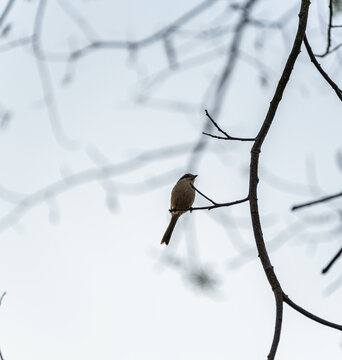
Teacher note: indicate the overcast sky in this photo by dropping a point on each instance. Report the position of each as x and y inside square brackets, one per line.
[84, 273]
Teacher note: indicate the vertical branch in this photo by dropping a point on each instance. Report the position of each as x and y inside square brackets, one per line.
[225, 75]
[46, 82]
[254, 167]
[329, 27]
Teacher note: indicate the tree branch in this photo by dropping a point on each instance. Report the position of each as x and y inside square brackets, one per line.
[6, 11]
[226, 136]
[212, 206]
[327, 50]
[278, 323]
[332, 261]
[206, 197]
[254, 167]
[309, 314]
[313, 59]
[148, 40]
[318, 201]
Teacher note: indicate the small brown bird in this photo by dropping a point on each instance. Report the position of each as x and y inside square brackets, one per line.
[182, 197]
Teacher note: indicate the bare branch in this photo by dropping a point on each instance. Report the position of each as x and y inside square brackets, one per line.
[332, 261]
[224, 75]
[212, 206]
[310, 315]
[313, 59]
[330, 51]
[254, 168]
[321, 200]
[226, 136]
[278, 324]
[206, 197]
[327, 50]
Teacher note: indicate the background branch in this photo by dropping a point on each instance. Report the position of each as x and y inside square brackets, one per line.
[318, 201]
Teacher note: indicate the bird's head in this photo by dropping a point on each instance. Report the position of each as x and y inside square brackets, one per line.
[188, 177]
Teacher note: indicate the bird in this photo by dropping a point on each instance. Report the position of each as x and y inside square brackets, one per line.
[182, 197]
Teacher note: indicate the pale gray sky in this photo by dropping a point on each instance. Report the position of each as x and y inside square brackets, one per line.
[85, 274]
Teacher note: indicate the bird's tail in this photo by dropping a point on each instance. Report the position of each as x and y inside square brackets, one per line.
[169, 230]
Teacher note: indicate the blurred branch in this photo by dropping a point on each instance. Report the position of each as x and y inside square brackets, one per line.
[319, 201]
[99, 173]
[16, 43]
[2, 297]
[224, 76]
[46, 83]
[333, 286]
[6, 11]
[79, 20]
[150, 39]
[226, 136]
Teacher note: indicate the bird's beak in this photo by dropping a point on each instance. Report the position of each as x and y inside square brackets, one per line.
[195, 176]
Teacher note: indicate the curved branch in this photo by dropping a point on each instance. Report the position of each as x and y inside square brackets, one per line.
[277, 329]
[313, 59]
[254, 168]
[309, 314]
[92, 174]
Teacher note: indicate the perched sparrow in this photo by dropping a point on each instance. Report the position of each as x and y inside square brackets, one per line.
[182, 197]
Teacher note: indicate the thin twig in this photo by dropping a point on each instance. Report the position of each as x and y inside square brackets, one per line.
[332, 261]
[212, 206]
[318, 201]
[330, 51]
[310, 315]
[206, 197]
[226, 136]
[46, 82]
[330, 26]
[327, 50]
[313, 59]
